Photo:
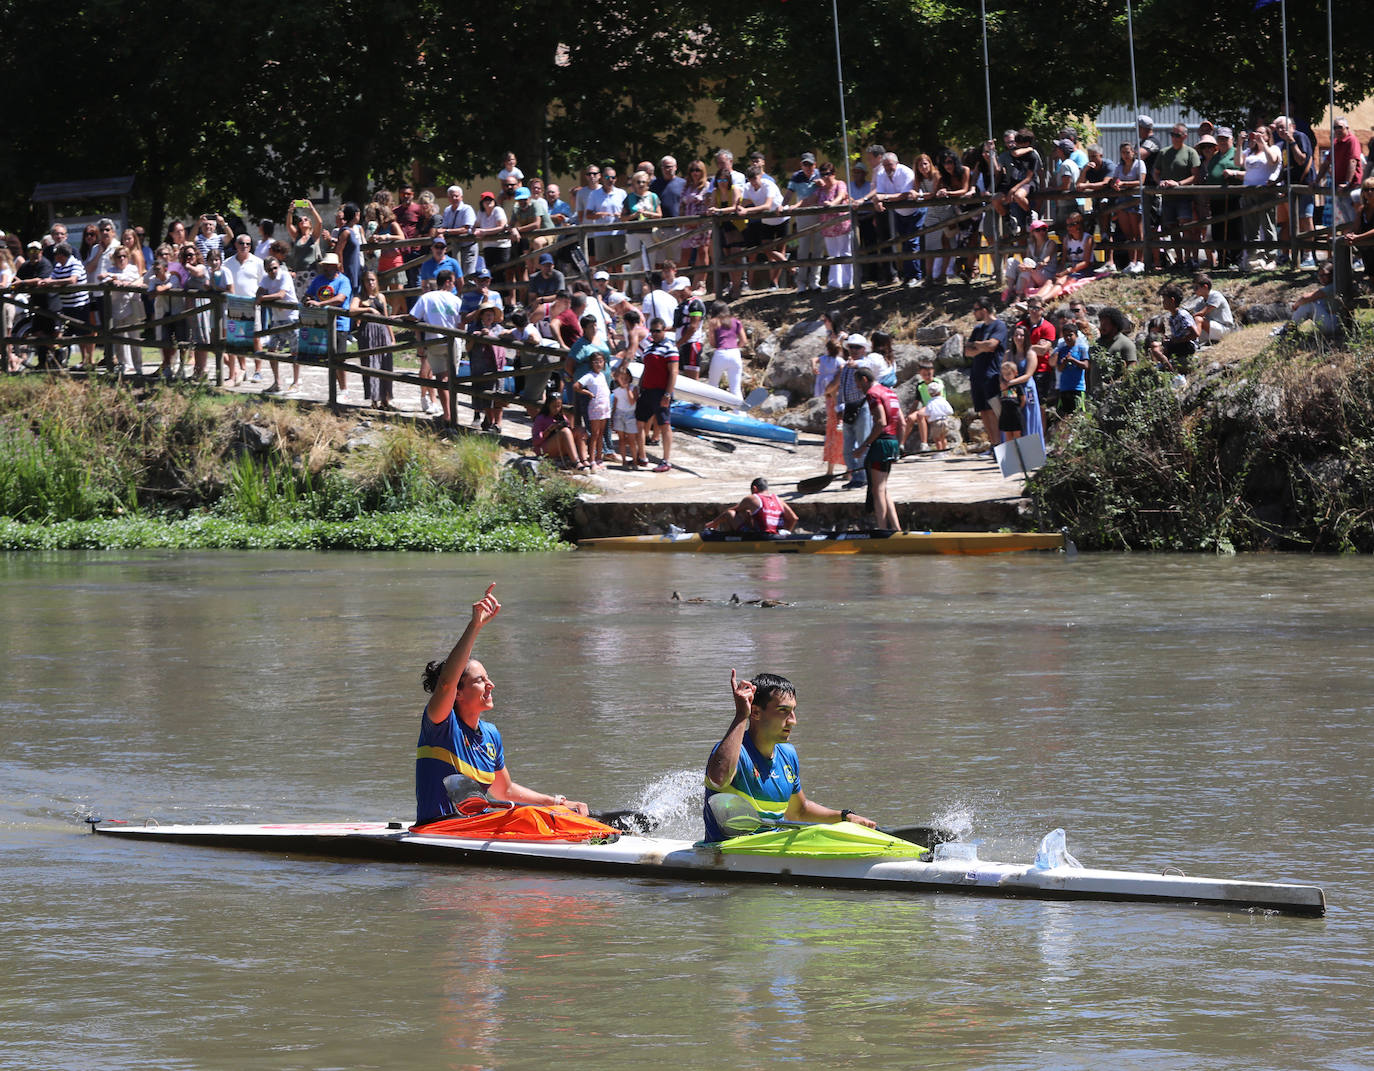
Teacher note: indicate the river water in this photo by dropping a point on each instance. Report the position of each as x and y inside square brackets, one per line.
[1209, 714]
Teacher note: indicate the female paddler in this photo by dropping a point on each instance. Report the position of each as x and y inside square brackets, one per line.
[453, 736]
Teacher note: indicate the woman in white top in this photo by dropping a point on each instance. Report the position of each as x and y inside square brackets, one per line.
[1126, 179]
[1261, 163]
[126, 308]
[494, 231]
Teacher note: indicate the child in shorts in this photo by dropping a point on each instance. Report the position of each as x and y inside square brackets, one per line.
[597, 390]
[623, 423]
[936, 411]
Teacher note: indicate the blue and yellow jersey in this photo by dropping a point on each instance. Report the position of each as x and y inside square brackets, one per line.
[451, 747]
[769, 784]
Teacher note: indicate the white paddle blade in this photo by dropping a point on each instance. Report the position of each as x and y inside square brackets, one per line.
[734, 814]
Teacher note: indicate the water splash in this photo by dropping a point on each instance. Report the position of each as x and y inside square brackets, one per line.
[674, 801]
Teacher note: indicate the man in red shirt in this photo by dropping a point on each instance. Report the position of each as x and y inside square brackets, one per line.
[567, 325]
[759, 511]
[408, 214]
[1348, 164]
[656, 385]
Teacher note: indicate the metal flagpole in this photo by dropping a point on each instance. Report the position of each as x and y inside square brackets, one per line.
[1135, 105]
[856, 272]
[1293, 256]
[992, 159]
[1283, 16]
[839, 78]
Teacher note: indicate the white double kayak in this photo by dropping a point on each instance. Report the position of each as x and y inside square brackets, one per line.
[653, 857]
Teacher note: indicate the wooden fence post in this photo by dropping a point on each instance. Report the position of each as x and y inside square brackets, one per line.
[217, 304]
[451, 384]
[716, 247]
[331, 355]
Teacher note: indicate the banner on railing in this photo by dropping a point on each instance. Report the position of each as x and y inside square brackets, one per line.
[313, 338]
[240, 320]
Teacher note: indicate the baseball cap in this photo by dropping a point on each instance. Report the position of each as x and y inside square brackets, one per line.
[487, 194]
[522, 194]
[935, 387]
[602, 275]
[1065, 146]
[856, 340]
[681, 283]
[545, 258]
[808, 158]
[1224, 132]
[330, 258]
[482, 273]
[1039, 225]
[615, 297]
[1144, 120]
[439, 241]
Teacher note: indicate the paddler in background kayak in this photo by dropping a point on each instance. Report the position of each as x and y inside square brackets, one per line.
[755, 760]
[453, 736]
[758, 511]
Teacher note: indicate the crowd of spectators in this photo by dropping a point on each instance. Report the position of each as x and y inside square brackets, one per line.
[500, 273]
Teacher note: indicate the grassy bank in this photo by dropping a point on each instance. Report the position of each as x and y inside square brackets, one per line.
[1274, 450]
[93, 465]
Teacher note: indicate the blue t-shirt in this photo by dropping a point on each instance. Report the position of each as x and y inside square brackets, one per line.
[431, 267]
[1070, 375]
[769, 784]
[451, 747]
[322, 289]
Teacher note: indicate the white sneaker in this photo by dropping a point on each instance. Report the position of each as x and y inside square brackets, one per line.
[426, 406]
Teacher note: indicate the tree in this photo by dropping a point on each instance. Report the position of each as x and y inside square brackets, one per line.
[1228, 62]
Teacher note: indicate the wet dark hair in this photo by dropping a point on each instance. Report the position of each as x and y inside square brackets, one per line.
[350, 212]
[768, 685]
[759, 484]
[632, 316]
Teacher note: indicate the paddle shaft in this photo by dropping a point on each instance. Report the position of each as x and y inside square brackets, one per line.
[812, 484]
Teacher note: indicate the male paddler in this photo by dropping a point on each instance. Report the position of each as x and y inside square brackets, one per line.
[453, 736]
[759, 511]
[755, 760]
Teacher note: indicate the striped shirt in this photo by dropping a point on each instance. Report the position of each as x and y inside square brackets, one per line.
[72, 272]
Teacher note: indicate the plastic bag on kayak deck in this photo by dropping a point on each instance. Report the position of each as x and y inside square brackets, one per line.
[521, 822]
[1054, 852]
[823, 841]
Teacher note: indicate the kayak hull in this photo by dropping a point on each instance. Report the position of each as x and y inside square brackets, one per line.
[843, 543]
[650, 857]
[694, 390]
[700, 418]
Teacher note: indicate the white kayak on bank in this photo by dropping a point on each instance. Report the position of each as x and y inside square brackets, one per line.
[653, 857]
[694, 390]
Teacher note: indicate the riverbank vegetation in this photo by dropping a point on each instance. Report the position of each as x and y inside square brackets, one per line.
[1273, 451]
[93, 465]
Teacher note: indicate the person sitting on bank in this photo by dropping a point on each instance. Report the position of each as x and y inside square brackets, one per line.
[1210, 310]
[759, 511]
[455, 739]
[755, 760]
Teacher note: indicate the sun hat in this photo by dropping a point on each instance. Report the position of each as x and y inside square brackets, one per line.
[856, 339]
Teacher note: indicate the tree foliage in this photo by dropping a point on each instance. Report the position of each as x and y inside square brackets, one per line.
[212, 112]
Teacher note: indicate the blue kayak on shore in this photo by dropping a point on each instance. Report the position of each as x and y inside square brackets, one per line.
[706, 418]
